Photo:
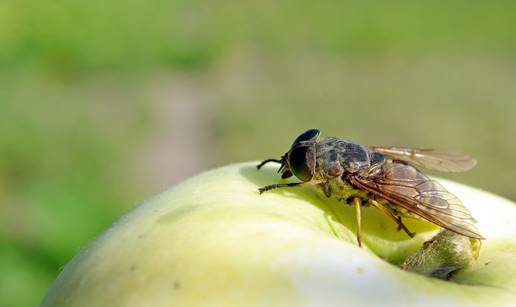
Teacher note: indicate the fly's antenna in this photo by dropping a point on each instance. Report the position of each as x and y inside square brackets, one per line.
[267, 161]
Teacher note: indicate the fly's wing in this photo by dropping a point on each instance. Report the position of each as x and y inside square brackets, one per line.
[434, 159]
[406, 187]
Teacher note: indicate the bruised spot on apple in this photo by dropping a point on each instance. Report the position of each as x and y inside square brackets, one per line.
[213, 240]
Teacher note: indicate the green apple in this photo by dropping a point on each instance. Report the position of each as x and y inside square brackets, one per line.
[214, 241]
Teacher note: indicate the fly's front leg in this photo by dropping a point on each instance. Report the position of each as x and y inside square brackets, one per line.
[357, 203]
[286, 185]
[279, 185]
[327, 189]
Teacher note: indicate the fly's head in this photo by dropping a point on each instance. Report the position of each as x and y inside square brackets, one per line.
[300, 159]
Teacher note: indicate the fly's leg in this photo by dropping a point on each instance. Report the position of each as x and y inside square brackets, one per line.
[358, 215]
[327, 189]
[286, 185]
[396, 218]
[279, 185]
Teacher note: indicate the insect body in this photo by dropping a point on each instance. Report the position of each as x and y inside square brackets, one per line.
[384, 177]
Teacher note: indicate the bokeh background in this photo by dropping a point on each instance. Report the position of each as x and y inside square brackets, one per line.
[105, 103]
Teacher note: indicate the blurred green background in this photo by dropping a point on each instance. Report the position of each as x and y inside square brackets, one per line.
[103, 104]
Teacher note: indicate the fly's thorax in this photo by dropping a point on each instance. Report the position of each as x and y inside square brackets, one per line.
[377, 160]
[352, 158]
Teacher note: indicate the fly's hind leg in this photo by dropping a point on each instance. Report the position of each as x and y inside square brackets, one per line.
[396, 218]
[357, 202]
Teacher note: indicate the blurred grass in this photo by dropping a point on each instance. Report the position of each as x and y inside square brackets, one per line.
[91, 36]
[97, 97]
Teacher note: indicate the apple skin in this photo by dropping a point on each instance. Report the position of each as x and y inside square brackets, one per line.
[214, 241]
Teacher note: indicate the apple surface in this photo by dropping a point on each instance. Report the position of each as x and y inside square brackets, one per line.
[214, 241]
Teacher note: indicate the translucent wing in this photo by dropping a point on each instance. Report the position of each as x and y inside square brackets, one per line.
[434, 159]
[406, 187]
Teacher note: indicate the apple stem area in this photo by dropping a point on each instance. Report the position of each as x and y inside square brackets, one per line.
[443, 255]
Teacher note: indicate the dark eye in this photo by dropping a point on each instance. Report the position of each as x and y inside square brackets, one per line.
[308, 135]
[302, 162]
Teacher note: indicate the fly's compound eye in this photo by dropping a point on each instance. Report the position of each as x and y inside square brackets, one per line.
[308, 135]
[302, 162]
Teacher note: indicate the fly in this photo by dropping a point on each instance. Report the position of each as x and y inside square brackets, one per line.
[384, 177]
